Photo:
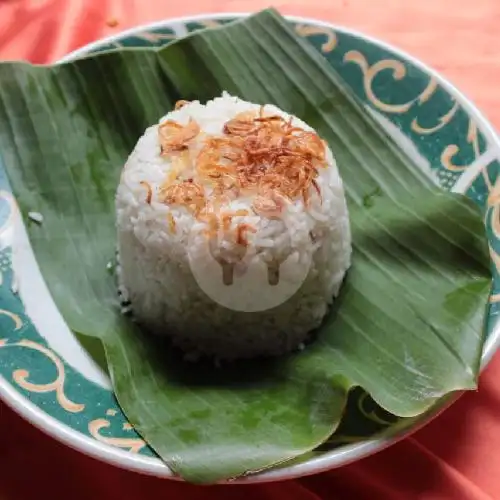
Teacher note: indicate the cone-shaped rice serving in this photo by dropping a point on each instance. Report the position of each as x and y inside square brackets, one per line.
[233, 230]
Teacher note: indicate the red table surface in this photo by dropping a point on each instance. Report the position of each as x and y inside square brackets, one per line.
[457, 456]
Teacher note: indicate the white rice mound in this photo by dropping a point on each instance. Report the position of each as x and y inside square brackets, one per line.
[161, 270]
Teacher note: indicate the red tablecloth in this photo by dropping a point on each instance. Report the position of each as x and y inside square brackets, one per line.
[455, 457]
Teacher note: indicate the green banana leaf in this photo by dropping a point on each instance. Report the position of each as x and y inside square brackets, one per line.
[407, 327]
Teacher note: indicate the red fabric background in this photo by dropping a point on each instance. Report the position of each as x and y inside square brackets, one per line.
[455, 457]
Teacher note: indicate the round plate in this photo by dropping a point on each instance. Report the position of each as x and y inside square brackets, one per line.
[48, 378]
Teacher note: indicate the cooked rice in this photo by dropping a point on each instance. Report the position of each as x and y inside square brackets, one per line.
[167, 268]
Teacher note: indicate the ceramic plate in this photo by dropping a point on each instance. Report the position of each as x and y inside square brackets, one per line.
[49, 379]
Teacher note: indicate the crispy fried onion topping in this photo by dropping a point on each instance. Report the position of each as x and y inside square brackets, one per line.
[186, 193]
[265, 156]
[176, 137]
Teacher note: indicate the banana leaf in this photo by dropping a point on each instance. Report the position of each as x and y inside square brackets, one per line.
[407, 327]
